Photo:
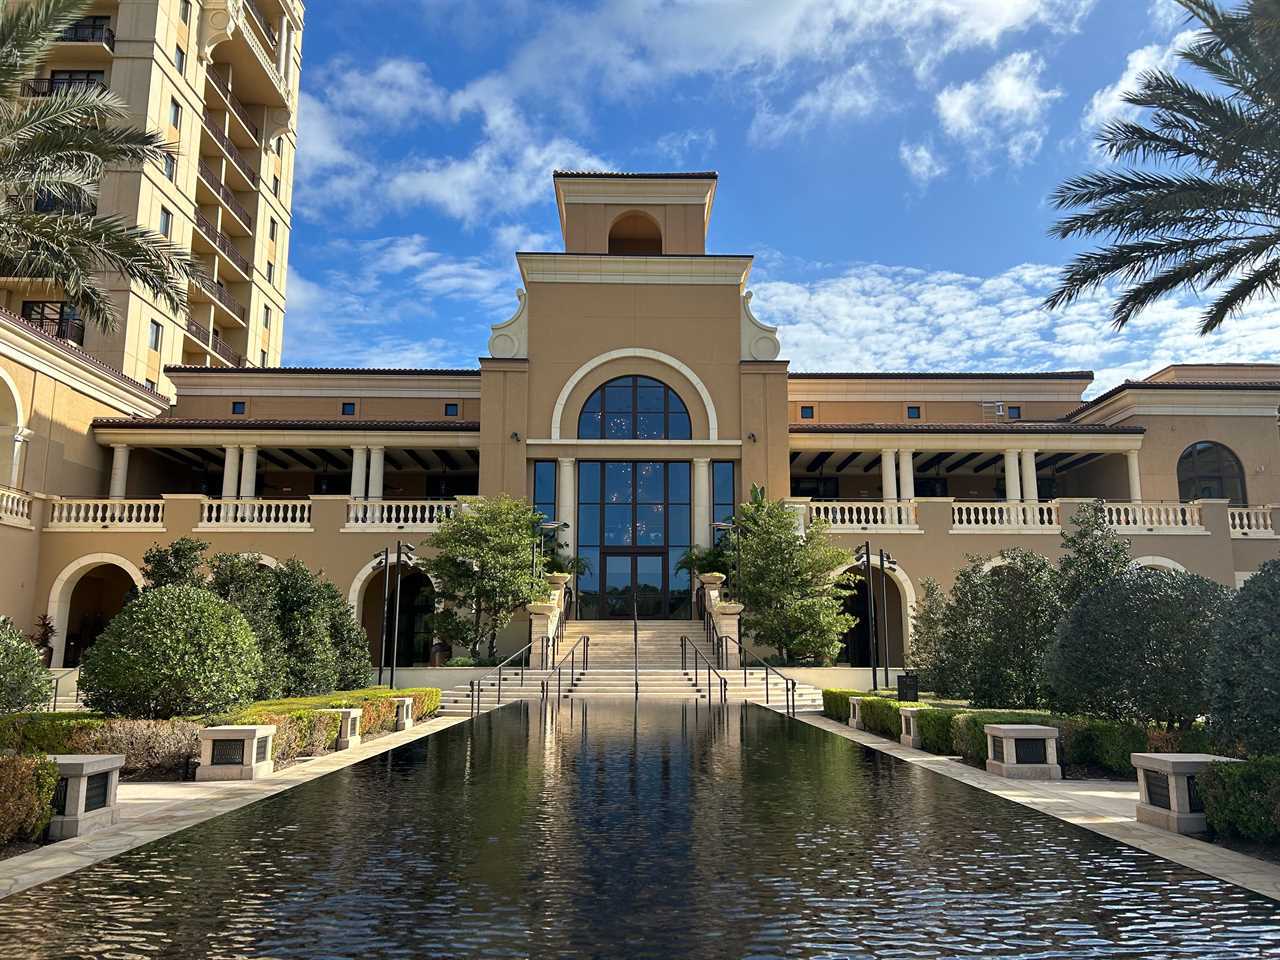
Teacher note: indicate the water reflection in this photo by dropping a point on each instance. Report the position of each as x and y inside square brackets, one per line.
[611, 830]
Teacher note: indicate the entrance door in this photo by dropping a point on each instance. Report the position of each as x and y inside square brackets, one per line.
[634, 578]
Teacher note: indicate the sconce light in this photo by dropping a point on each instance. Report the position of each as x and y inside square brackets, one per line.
[751, 437]
[515, 435]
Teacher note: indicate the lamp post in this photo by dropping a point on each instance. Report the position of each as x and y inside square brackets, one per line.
[404, 552]
[382, 558]
[887, 563]
[724, 526]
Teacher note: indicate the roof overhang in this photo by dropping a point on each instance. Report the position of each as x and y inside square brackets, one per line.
[273, 433]
[635, 189]
[1181, 399]
[1063, 438]
[606, 268]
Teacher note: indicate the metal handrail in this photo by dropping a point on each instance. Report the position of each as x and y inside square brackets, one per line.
[584, 641]
[635, 641]
[718, 639]
[477, 686]
[686, 643]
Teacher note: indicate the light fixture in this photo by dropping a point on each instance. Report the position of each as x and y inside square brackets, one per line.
[751, 436]
[515, 436]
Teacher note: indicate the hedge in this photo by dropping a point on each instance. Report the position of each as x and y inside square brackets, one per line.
[1242, 800]
[26, 796]
[835, 703]
[1085, 741]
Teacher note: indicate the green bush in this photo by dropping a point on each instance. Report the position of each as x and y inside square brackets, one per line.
[935, 725]
[1085, 741]
[1244, 670]
[38, 733]
[153, 748]
[26, 796]
[172, 651]
[1242, 800]
[967, 730]
[24, 681]
[880, 716]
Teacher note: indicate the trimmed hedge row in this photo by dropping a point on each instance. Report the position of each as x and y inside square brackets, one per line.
[1242, 800]
[835, 703]
[26, 796]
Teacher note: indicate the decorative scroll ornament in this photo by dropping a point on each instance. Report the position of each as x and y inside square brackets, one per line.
[218, 19]
[759, 340]
[510, 339]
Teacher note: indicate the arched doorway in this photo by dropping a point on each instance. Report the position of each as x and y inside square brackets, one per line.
[635, 234]
[84, 599]
[892, 610]
[417, 604]
[12, 426]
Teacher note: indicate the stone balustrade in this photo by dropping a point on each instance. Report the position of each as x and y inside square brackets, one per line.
[1251, 522]
[255, 514]
[1010, 517]
[106, 514]
[845, 516]
[15, 508]
[416, 515]
[1155, 517]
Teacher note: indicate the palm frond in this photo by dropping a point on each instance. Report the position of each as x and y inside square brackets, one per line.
[27, 28]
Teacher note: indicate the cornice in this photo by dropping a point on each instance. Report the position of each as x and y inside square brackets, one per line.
[606, 268]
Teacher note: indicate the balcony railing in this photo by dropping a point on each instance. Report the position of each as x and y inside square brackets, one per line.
[1155, 517]
[255, 515]
[225, 351]
[15, 507]
[1250, 522]
[261, 18]
[399, 514]
[238, 108]
[224, 193]
[198, 330]
[220, 136]
[220, 294]
[89, 33]
[47, 86]
[853, 515]
[65, 328]
[106, 515]
[1007, 516]
[224, 244]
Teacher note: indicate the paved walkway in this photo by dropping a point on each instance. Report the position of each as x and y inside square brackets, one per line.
[1104, 806]
[149, 811]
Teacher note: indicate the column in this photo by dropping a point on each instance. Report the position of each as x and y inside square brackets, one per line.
[119, 470]
[1135, 478]
[888, 474]
[359, 455]
[1030, 487]
[377, 456]
[1012, 479]
[15, 472]
[701, 497]
[906, 474]
[248, 472]
[230, 471]
[566, 501]
[282, 54]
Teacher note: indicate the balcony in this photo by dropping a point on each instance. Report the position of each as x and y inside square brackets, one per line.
[224, 245]
[214, 129]
[857, 516]
[69, 329]
[225, 350]
[15, 508]
[1157, 518]
[1251, 523]
[221, 296]
[261, 19]
[255, 515]
[47, 86]
[65, 515]
[395, 515]
[99, 33]
[238, 109]
[224, 193]
[1005, 517]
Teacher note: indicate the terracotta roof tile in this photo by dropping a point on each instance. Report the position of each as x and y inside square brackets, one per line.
[1014, 426]
[245, 423]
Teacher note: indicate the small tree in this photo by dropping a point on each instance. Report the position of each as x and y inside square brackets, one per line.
[486, 566]
[350, 643]
[305, 658]
[172, 651]
[1244, 668]
[788, 582]
[181, 563]
[933, 654]
[1003, 617]
[24, 682]
[1092, 553]
[247, 585]
[1135, 648]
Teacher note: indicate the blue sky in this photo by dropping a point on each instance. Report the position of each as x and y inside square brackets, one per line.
[888, 162]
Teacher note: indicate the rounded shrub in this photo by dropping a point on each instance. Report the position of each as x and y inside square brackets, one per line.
[1244, 670]
[24, 681]
[174, 651]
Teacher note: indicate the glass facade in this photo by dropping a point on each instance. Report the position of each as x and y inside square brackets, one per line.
[724, 493]
[1210, 471]
[634, 408]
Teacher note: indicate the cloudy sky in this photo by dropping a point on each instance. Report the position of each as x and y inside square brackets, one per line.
[887, 161]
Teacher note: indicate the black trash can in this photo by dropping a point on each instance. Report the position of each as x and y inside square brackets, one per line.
[908, 687]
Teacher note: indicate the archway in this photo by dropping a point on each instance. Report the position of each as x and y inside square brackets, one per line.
[12, 425]
[85, 596]
[417, 604]
[892, 611]
[635, 234]
[1210, 471]
[1158, 563]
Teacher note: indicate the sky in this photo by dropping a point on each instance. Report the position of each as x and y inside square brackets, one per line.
[888, 162]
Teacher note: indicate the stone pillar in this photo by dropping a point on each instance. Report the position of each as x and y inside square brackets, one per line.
[1012, 479]
[701, 495]
[906, 474]
[119, 470]
[1135, 478]
[1030, 486]
[282, 53]
[248, 472]
[567, 501]
[377, 456]
[888, 475]
[15, 470]
[358, 457]
[88, 798]
[230, 471]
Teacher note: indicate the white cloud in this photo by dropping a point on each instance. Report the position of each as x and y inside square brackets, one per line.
[922, 162]
[877, 317]
[851, 93]
[1108, 103]
[1002, 111]
[681, 146]
[1167, 15]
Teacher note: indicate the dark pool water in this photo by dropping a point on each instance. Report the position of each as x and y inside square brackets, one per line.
[608, 831]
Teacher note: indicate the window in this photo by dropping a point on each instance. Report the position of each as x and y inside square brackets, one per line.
[151, 385]
[279, 146]
[271, 272]
[1015, 412]
[275, 186]
[806, 413]
[170, 166]
[57, 318]
[544, 488]
[237, 407]
[180, 60]
[175, 114]
[634, 408]
[262, 358]
[184, 11]
[1210, 471]
[724, 488]
[77, 79]
[266, 318]
[817, 488]
[913, 412]
[155, 335]
[349, 408]
[271, 230]
[450, 409]
[166, 222]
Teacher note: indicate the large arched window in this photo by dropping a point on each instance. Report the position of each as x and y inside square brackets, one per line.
[635, 234]
[634, 408]
[1210, 471]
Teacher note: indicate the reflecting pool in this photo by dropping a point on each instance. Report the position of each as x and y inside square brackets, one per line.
[615, 831]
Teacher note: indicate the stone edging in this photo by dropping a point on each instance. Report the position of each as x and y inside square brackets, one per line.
[1071, 802]
[192, 804]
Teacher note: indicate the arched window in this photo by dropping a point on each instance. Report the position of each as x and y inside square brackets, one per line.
[636, 234]
[1210, 471]
[634, 408]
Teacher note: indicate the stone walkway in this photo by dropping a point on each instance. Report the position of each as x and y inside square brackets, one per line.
[1104, 806]
[149, 811]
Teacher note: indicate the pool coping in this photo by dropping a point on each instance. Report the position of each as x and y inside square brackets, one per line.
[1070, 801]
[189, 805]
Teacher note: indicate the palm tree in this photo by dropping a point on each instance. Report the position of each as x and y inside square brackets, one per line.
[1205, 216]
[54, 150]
